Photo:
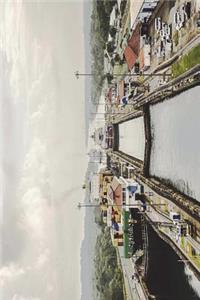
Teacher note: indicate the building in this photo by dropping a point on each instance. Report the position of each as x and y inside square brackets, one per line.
[125, 193]
[132, 49]
[105, 179]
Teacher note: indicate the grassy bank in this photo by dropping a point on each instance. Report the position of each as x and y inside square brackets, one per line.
[108, 275]
[99, 32]
[186, 62]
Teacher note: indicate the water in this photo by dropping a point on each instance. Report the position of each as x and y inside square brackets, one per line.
[175, 157]
[167, 277]
[131, 138]
[176, 146]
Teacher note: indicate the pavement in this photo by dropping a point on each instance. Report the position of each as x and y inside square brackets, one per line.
[133, 287]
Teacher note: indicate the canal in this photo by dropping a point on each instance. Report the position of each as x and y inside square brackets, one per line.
[167, 277]
[175, 125]
[131, 138]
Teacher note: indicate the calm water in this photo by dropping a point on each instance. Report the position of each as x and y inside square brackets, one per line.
[176, 145]
[131, 138]
[175, 156]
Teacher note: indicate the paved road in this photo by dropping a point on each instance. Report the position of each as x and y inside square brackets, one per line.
[133, 286]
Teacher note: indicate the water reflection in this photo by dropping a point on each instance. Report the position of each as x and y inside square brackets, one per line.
[131, 138]
[176, 146]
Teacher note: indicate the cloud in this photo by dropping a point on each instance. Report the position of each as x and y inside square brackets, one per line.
[43, 207]
[18, 297]
[9, 273]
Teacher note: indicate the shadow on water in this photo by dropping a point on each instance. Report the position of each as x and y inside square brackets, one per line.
[166, 278]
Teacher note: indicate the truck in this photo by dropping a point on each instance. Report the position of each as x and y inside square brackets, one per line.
[175, 217]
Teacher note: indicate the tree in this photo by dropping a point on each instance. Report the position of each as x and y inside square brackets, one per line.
[112, 31]
[110, 47]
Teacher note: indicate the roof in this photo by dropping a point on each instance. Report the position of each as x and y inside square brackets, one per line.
[110, 193]
[130, 57]
[109, 94]
[115, 183]
[118, 196]
[134, 41]
[115, 191]
[121, 89]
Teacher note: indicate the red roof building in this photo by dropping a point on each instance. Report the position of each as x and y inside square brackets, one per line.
[130, 57]
[132, 50]
[134, 41]
[115, 192]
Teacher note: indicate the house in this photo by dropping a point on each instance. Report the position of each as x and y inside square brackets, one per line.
[105, 179]
[130, 57]
[125, 194]
[132, 49]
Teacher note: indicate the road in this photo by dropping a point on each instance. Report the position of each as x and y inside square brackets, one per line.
[133, 286]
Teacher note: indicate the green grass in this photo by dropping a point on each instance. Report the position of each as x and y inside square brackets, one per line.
[186, 62]
[196, 261]
[120, 69]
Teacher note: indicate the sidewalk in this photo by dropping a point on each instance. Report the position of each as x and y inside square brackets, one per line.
[134, 290]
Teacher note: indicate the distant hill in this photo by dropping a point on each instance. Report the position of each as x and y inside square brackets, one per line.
[87, 26]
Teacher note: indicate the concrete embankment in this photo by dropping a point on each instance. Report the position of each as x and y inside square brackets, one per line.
[190, 206]
[186, 81]
[148, 138]
[137, 163]
[142, 165]
[116, 137]
[126, 117]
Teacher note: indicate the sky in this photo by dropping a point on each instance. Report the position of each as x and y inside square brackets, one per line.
[42, 149]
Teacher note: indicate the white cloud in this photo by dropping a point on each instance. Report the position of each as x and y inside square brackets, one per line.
[11, 272]
[49, 224]
[18, 297]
